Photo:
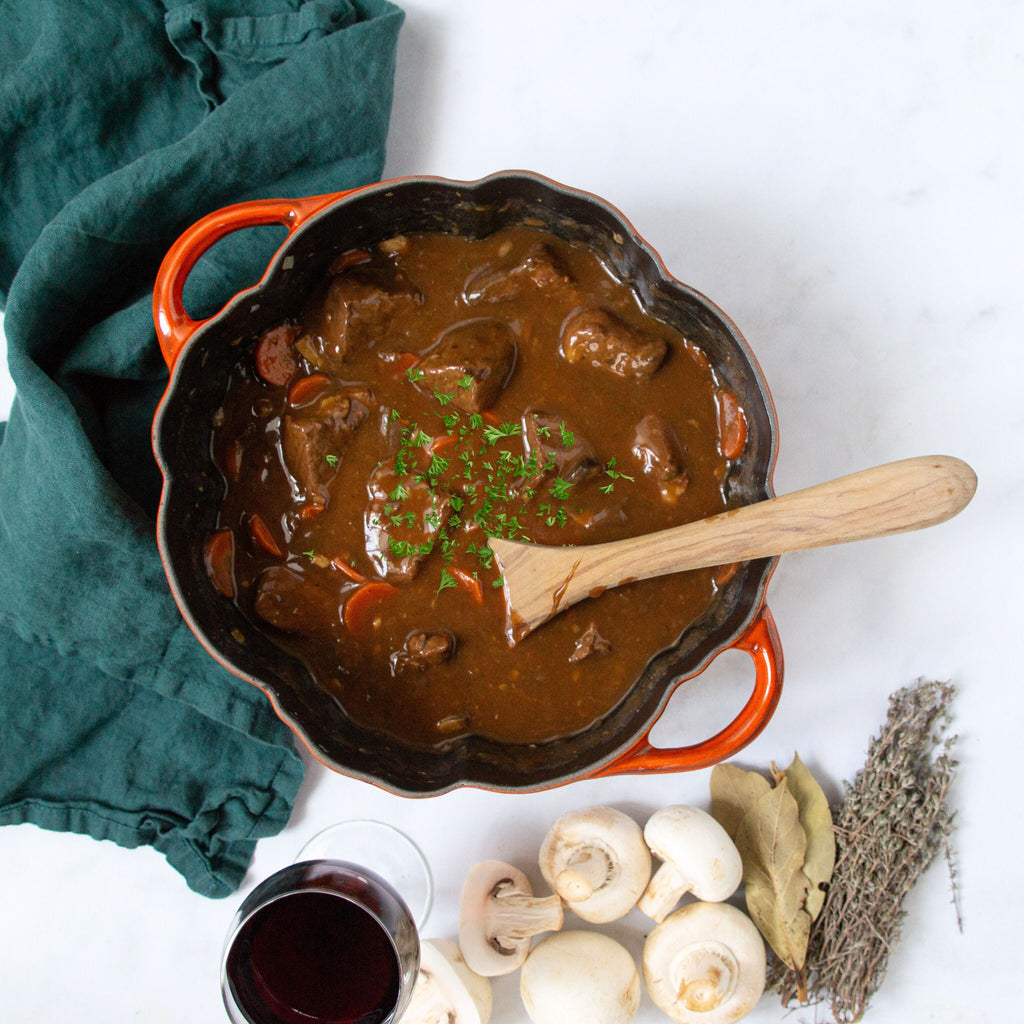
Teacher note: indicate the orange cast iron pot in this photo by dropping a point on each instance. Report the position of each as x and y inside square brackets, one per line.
[199, 354]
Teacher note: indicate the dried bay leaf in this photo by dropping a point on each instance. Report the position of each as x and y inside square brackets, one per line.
[816, 820]
[733, 793]
[772, 844]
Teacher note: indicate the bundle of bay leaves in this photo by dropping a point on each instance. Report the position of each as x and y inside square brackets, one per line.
[782, 828]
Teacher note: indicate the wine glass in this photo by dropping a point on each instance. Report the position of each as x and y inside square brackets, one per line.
[394, 856]
[326, 940]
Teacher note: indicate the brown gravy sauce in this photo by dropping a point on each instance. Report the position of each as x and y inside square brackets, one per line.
[429, 393]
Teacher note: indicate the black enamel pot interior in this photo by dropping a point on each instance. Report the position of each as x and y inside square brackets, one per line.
[200, 354]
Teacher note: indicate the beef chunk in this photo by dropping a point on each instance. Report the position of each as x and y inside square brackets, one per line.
[295, 603]
[540, 268]
[595, 338]
[551, 447]
[472, 362]
[422, 651]
[355, 311]
[656, 446]
[589, 642]
[402, 521]
[314, 437]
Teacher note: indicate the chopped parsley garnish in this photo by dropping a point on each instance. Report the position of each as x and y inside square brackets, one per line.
[492, 435]
[447, 580]
[559, 489]
[487, 480]
[614, 474]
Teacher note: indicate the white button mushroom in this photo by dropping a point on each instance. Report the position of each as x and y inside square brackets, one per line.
[705, 964]
[500, 915]
[580, 977]
[597, 861]
[698, 856]
[446, 990]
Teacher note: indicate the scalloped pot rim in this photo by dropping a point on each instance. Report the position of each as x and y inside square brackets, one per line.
[198, 354]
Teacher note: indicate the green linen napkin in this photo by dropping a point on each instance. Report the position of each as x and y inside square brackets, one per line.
[121, 123]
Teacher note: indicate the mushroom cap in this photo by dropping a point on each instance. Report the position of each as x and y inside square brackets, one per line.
[698, 848]
[499, 917]
[705, 964]
[580, 976]
[446, 989]
[612, 845]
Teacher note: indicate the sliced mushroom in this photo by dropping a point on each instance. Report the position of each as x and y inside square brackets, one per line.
[446, 990]
[705, 964]
[698, 856]
[579, 977]
[499, 917]
[597, 861]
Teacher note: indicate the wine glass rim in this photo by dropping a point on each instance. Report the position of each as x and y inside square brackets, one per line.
[416, 889]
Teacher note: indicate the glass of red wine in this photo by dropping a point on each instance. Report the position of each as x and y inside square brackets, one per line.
[327, 940]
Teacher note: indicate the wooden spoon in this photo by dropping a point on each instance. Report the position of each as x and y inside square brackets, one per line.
[540, 581]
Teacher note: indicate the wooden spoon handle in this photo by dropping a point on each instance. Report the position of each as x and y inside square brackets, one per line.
[893, 498]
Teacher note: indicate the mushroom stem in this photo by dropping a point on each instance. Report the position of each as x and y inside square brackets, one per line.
[499, 915]
[705, 976]
[705, 964]
[598, 861]
[514, 915]
[666, 888]
[586, 871]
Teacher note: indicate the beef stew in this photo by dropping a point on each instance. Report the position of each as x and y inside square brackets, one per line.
[435, 390]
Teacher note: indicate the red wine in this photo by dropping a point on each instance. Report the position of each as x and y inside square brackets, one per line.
[314, 958]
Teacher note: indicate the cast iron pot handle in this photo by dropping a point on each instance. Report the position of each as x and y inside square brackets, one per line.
[174, 326]
[761, 642]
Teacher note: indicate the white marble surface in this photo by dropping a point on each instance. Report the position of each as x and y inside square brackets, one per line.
[847, 182]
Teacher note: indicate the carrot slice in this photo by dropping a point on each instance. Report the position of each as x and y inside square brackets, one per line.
[439, 444]
[724, 573]
[732, 425]
[352, 573]
[219, 558]
[305, 389]
[471, 583]
[275, 358]
[352, 258]
[361, 606]
[697, 355]
[233, 461]
[263, 537]
[401, 364]
[311, 510]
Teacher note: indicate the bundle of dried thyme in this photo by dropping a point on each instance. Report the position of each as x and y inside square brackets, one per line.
[890, 824]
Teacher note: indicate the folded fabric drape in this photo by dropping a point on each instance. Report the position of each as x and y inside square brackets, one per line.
[121, 123]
